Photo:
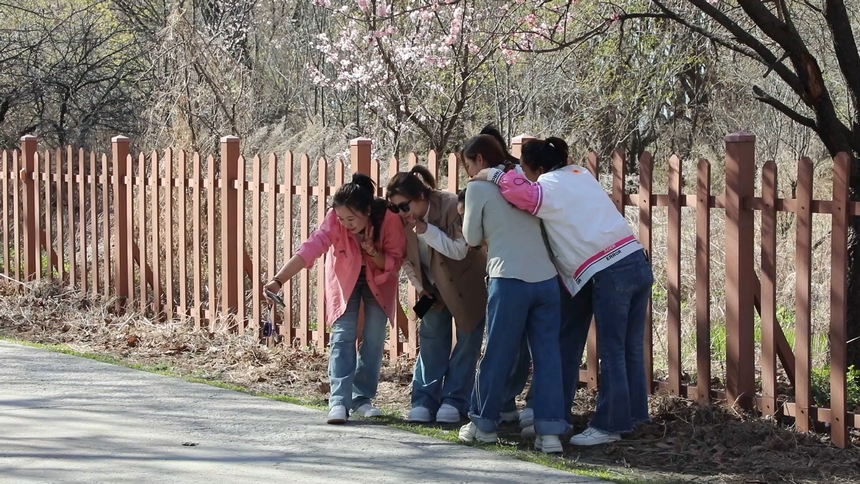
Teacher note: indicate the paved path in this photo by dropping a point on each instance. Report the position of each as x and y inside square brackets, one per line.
[70, 419]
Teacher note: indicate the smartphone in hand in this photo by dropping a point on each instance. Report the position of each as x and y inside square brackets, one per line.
[275, 297]
[423, 305]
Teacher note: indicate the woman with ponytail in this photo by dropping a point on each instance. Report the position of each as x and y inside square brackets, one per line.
[605, 272]
[450, 279]
[523, 300]
[365, 245]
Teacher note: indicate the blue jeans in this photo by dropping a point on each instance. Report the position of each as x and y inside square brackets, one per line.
[353, 382]
[515, 307]
[576, 314]
[441, 375]
[519, 377]
[620, 298]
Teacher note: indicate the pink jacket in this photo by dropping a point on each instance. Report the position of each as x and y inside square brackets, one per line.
[343, 263]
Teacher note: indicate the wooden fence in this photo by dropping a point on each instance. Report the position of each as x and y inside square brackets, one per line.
[192, 237]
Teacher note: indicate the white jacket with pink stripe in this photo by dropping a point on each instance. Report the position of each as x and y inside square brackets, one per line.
[586, 232]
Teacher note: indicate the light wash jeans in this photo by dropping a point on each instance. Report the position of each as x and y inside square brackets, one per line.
[442, 375]
[353, 382]
[515, 307]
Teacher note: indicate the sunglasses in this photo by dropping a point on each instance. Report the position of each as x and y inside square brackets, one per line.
[400, 207]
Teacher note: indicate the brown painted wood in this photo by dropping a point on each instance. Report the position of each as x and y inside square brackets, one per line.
[673, 270]
[803, 292]
[769, 325]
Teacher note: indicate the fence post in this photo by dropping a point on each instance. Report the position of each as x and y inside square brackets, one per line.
[740, 350]
[121, 188]
[518, 142]
[231, 266]
[359, 162]
[359, 155]
[28, 176]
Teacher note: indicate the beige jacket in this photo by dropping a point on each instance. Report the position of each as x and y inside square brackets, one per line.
[459, 284]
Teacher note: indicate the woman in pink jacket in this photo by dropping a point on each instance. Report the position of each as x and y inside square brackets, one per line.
[365, 246]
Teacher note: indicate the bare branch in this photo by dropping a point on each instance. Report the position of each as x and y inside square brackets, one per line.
[781, 107]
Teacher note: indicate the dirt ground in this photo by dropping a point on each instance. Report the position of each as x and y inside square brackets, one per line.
[684, 442]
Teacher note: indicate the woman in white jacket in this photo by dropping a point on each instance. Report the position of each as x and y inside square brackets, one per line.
[604, 269]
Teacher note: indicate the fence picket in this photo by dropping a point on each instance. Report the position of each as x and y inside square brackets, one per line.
[803, 288]
[322, 180]
[673, 272]
[271, 228]
[287, 330]
[169, 289]
[71, 212]
[60, 198]
[769, 324]
[155, 189]
[197, 260]
[703, 282]
[82, 217]
[182, 236]
[592, 359]
[304, 223]
[94, 227]
[211, 240]
[645, 238]
[256, 289]
[239, 229]
[142, 230]
[838, 300]
[47, 237]
[105, 210]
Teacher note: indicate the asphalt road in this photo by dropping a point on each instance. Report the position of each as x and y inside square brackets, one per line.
[70, 419]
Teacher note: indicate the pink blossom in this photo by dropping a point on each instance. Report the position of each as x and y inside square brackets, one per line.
[362, 4]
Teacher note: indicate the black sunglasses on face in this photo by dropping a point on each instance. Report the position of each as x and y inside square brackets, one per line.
[400, 207]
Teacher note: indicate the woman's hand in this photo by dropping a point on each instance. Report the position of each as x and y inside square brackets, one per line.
[367, 242]
[419, 226]
[273, 286]
[483, 175]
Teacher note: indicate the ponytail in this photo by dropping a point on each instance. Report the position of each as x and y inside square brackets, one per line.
[424, 174]
[494, 132]
[549, 154]
[416, 183]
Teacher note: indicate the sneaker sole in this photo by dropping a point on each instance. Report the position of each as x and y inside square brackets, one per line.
[418, 420]
[591, 443]
[373, 414]
[448, 420]
[551, 449]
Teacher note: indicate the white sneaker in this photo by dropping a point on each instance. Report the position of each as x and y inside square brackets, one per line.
[368, 410]
[337, 415]
[419, 414]
[529, 432]
[512, 416]
[448, 414]
[548, 444]
[527, 417]
[593, 436]
[470, 433]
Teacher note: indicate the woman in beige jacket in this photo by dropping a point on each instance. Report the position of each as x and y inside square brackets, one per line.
[441, 266]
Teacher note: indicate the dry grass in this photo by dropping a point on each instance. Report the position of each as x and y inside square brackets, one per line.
[685, 441]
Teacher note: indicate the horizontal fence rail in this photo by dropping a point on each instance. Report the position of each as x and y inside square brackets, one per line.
[194, 237]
